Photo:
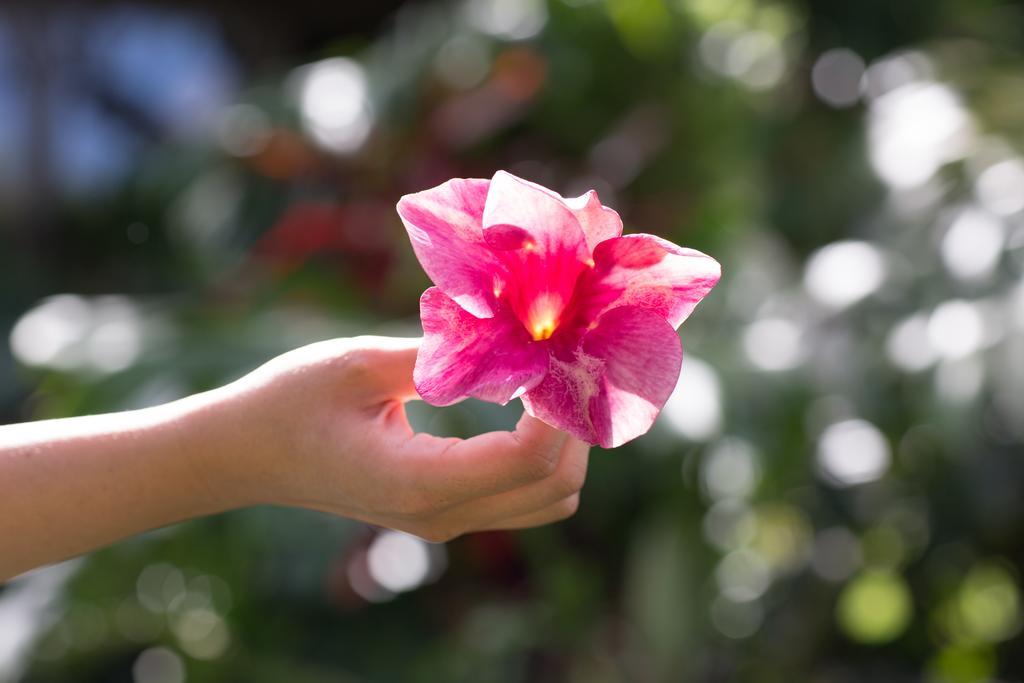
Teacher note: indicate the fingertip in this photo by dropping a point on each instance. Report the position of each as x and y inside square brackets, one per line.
[530, 428]
[578, 446]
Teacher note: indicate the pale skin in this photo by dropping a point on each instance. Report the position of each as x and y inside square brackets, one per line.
[321, 427]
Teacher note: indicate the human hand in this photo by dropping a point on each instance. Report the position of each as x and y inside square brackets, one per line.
[324, 427]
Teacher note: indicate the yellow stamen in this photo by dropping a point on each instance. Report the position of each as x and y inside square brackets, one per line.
[543, 316]
[543, 330]
[590, 262]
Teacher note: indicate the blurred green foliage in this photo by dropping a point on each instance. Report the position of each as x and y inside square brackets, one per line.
[834, 493]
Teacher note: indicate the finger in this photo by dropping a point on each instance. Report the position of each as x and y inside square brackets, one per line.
[460, 470]
[565, 482]
[556, 512]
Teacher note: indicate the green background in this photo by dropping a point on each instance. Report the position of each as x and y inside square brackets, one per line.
[835, 491]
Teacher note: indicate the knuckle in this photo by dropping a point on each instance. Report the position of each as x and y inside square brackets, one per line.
[356, 362]
[564, 487]
[541, 462]
[570, 481]
[419, 503]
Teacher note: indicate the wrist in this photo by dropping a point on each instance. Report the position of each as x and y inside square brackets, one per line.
[221, 442]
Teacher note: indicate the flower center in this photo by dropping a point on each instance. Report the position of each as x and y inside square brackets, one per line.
[542, 318]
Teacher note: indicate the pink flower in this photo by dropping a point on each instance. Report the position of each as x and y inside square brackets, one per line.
[542, 297]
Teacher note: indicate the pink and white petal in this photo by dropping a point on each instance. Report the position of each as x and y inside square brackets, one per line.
[611, 389]
[647, 272]
[492, 359]
[520, 214]
[599, 222]
[445, 226]
[540, 244]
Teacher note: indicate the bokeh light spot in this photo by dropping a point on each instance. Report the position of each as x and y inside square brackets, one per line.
[907, 345]
[202, 633]
[773, 344]
[956, 329]
[694, 409]
[334, 100]
[853, 452]
[1000, 187]
[956, 664]
[743, 575]
[510, 19]
[734, 619]
[972, 245]
[399, 562]
[915, 129]
[836, 77]
[875, 607]
[731, 469]
[988, 605]
[783, 537]
[158, 665]
[463, 62]
[843, 273]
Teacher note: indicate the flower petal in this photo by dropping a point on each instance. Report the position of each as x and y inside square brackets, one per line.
[520, 213]
[445, 226]
[492, 359]
[542, 247]
[599, 223]
[647, 272]
[611, 389]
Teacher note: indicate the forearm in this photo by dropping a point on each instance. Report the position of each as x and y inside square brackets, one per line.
[71, 485]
